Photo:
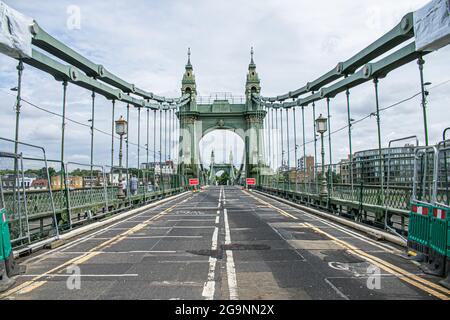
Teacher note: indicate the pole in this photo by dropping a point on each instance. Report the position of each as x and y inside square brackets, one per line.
[92, 135]
[127, 149]
[421, 62]
[315, 141]
[323, 191]
[304, 146]
[380, 155]
[148, 142]
[277, 153]
[160, 149]
[154, 150]
[282, 138]
[288, 151]
[296, 151]
[139, 145]
[112, 139]
[20, 69]
[63, 126]
[120, 160]
[329, 144]
[165, 136]
[347, 93]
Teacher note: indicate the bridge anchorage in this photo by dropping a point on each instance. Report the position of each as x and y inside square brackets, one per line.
[141, 214]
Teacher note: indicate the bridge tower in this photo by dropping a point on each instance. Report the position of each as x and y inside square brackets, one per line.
[255, 116]
[253, 84]
[189, 154]
[197, 119]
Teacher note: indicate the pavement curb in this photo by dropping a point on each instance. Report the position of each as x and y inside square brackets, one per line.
[354, 225]
[95, 225]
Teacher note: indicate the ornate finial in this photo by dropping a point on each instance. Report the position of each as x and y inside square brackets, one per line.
[252, 52]
[189, 55]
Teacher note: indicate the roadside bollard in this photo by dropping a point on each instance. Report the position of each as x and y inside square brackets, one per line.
[12, 268]
[5, 281]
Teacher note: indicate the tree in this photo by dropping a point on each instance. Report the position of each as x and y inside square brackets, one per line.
[223, 179]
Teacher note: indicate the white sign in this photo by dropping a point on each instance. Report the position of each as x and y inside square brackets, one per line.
[15, 34]
[432, 25]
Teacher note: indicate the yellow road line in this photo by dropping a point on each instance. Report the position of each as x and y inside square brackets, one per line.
[36, 282]
[412, 279]
[281, 211]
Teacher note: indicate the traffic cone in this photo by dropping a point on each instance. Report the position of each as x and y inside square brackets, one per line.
[5, 281]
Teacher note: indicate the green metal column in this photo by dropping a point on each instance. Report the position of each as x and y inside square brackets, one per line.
[277, 150]
[380, 155]
[270, 137]
[288, 151]
[296, 151]
[330, 193]
[421, 62]
[147, 156]
[112, 136]
[127, 150]
[349, 120]
[92, 134]
[315, 144]
[63, 127]
[20, 69]
[165, 139]
[304, 146]
[282, 138]
[154, 150]
[139, 145]
[160, 151]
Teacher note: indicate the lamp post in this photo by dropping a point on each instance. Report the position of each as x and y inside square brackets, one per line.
[321, 126]
[121, 130]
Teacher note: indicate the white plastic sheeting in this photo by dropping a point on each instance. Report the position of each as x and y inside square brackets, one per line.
[15, 34]
[432, 25]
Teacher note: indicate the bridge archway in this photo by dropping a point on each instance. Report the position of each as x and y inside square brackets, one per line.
[222, 150]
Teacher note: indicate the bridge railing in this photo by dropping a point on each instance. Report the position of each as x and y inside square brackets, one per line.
[359, 191]
[61, 201]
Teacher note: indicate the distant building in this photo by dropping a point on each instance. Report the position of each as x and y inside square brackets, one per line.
[397, 162]
[75, 182]
[306, 169]
[168, 167]
[39, 184]
[9, 181]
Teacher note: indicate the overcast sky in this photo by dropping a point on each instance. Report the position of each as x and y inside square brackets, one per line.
[145, 43]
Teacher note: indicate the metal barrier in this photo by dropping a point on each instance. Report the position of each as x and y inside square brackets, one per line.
[37, 215]
[439, 220]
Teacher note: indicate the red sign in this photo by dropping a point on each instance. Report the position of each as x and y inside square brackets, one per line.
[193, 182]
[251, 181]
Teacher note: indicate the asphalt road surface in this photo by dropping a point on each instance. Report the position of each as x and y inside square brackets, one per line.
[224, 243]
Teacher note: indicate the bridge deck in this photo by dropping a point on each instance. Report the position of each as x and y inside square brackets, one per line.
[224, 243]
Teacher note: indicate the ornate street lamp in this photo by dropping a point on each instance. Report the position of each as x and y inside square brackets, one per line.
[321, 125]
[121, 130]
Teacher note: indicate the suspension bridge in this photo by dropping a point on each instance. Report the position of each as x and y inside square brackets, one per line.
[287, 225]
